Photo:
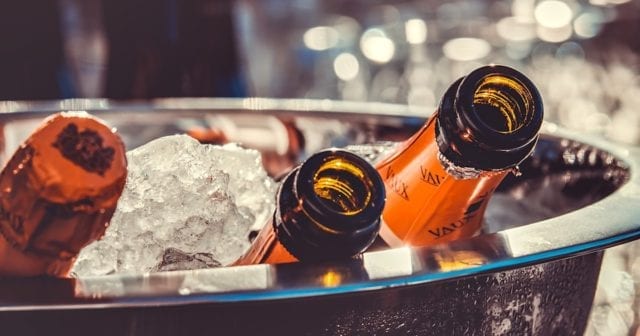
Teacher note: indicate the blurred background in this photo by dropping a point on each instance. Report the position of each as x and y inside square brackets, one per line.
[584, 55]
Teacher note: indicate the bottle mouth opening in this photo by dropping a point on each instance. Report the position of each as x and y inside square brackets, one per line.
[339, 188]
[503, 104]
[489, 119]
[342, 186]
[329, 206]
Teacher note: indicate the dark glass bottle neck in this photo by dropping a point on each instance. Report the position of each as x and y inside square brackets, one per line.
[315, 224]
[490, 119]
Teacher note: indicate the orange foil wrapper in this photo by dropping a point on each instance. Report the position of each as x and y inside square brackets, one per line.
[58, 193]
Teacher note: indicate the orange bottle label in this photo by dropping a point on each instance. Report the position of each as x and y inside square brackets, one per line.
[425, 205]
[266, 249]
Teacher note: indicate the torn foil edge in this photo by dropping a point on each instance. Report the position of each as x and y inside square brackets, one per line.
[467, 173]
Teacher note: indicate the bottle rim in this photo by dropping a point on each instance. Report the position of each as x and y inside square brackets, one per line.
[466, 141]
[320, 211]
[481, 130]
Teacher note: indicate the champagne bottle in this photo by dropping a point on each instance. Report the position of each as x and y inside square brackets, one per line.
[57, 194]
[439, 181]
[326, 208]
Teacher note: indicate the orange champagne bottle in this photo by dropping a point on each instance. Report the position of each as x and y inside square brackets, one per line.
[327, 208]
[57, 194]
[439, 181]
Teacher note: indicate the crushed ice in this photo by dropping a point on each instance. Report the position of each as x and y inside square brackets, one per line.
[185, 205]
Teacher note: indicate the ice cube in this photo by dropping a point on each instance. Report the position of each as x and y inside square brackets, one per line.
[180, 194]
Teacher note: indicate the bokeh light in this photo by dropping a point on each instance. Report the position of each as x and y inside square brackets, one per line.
[570, 49]
[377, 46]
[513, 28]
[320, 38]
[523, 9]
[553, 14]
[415, 31]
[554, 35]
[346, 66]
[588, 24]
[466, 49]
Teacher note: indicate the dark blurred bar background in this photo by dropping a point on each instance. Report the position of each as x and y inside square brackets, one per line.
[170, 48]
[584, 54]
[122, 49]
[32, 64]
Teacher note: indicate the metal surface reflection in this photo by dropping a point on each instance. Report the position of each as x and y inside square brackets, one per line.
[247, 278]
[592, 186]
[607, 217]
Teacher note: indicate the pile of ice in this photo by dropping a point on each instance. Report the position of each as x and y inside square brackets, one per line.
[185, 205]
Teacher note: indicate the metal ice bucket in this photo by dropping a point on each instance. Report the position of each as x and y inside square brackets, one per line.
[536, 276]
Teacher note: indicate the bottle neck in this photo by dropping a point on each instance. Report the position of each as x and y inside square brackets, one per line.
[266, 249]
[489, 120]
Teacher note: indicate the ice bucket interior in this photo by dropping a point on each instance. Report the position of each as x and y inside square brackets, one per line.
[574, 196]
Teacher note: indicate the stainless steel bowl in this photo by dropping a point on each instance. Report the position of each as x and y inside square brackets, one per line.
[536, 274]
